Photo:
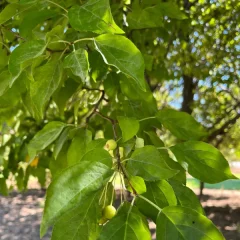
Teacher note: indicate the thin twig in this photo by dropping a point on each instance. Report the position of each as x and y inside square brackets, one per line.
[114, 127]
[5, 45]
[15, 33]
[96, 106]
[150, 202]
[93, 89]
[120, 166]
[105, 117]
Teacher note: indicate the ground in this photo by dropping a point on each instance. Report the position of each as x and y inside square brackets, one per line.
[20, 213]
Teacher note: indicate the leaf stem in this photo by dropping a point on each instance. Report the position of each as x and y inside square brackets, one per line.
[119, 163]
[146, 118]
[150, 202]
[122, 187]
[63, 52]
[125, 160]
[57, 5]
[104, 117]
[113, 183]
[102, 194]
[133, 200]
[163, 148]
[83, 39]
[5, 45]
[96, 107]
[63, 41]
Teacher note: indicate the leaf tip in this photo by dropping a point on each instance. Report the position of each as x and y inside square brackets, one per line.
[43, 230]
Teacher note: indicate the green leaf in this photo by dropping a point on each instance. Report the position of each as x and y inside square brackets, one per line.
[44, 137]
[62, 95]
[40, 174]
[60, 163]
[5, 77]
[3, 187]
[147, 163]
[181, 124]
[129, 127]
[4, 56]
[98, 143]
[186, 197]
[128, 146]
[98, 155]
[83, 148]
[129, 87]
[61, 141]
[8, 12]
[32, 19]
[70, 189]
[47, 79]
[149, 61]
[77, 61]
[94, 16]
[156, 141]
[11, 96]
[149, 17]
[98, 68]
[152, 16]
[78, 146]
[111, 84]
[184, 223]
[24, 52]
[138, 184]
[81, 222]
[141, 109]
[27, 1]
[120, 52]
[19, 179]
[204, 161]
[53, 37]
[161, 194]
[181, 175]
[127, 224]
[107, 195]
[171, 10]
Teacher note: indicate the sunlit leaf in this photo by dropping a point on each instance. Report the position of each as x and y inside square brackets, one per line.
[184, 223]
[129, 223]
[77, 61]
[161, 194]
[21, 54]
[181, 124]
[147, 163]
[129, 127]
[123, 54]
[45, 137]
[94, 16]
[203, 161]
[47, 79]
[71, 188]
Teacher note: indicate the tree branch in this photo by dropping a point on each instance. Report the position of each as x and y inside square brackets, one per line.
[188, 93]
[96, 106]
[221, 130]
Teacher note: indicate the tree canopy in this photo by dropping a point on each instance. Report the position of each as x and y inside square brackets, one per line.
[159, 79]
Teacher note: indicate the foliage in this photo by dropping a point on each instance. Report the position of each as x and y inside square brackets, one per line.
[73, 76]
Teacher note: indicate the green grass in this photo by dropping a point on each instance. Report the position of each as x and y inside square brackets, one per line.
[227, 185]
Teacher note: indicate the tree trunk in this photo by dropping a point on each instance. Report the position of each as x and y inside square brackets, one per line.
[188, 93]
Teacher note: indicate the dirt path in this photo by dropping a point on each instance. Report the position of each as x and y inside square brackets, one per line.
[20, 214]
